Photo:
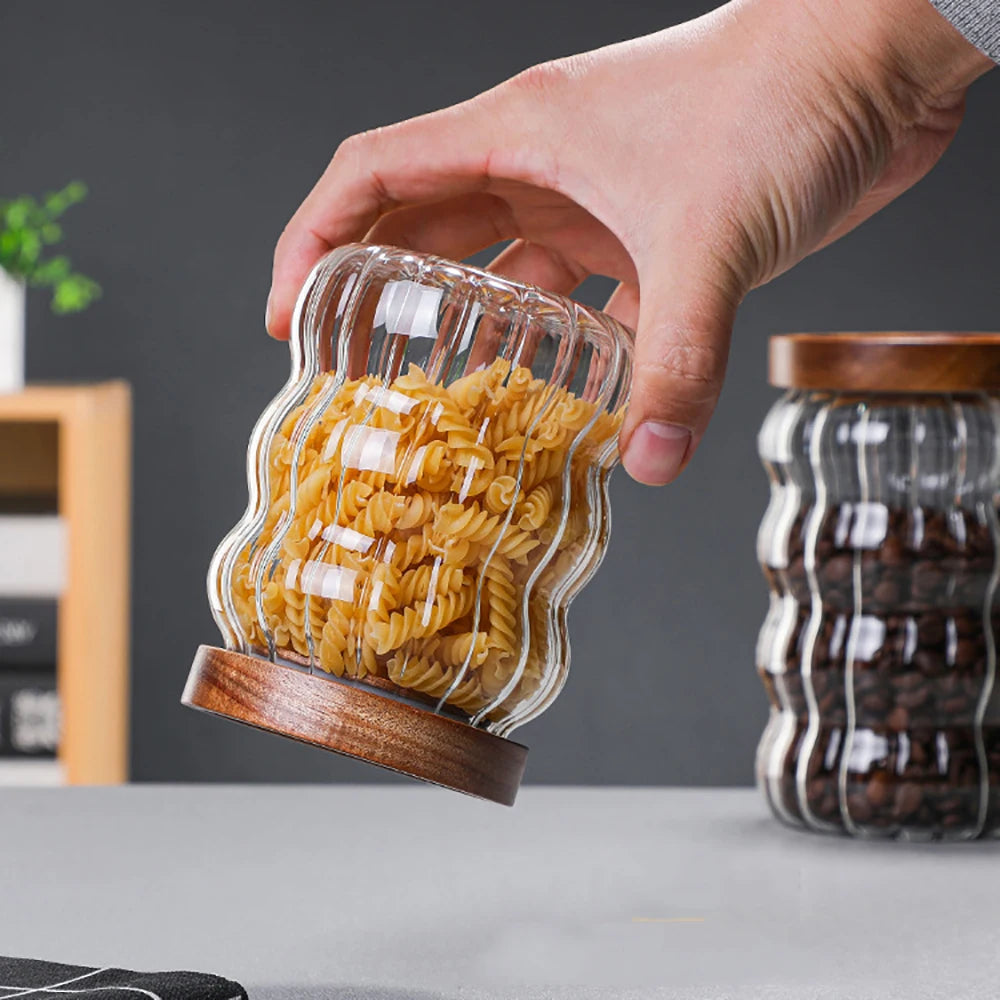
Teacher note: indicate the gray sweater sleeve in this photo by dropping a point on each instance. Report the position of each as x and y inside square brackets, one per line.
[978, 20]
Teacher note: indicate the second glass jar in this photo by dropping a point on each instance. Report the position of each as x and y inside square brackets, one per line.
[880, 546]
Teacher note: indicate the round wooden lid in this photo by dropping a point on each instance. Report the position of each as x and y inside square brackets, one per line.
[355, 722]
[886, 362]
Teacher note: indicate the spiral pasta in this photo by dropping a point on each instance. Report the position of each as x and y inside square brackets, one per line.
[404, 525]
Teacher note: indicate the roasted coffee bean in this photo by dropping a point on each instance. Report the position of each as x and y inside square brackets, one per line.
[913, 698]
[949, 804]
[866, 681]
[827, 703]
[858, 807]
[813, 769]
[878, 789]
[966, 652]
[908, 798]
[827, 808]
[929, 663]
[892, 552]
[930, 630]
[969, 625]
[876, 703]
[955, 706]
[886, 593]
[927, 580]
[816, 788]
[898, 719]
[837, 570]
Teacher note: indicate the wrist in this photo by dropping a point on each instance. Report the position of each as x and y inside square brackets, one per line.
[905, 56]
[914, 41]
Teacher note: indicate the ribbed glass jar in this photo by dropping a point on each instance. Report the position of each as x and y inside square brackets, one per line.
[880, 546]
[428, 490]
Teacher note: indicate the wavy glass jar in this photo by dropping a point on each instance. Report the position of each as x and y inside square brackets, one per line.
[880, 546]
[427, 494]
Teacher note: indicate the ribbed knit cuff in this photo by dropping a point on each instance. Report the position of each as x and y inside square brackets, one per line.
[978, 20]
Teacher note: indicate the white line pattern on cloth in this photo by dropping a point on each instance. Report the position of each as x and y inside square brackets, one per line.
[25, 990]
[97, 989]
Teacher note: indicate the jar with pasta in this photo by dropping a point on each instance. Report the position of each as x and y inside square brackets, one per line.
[427, 494]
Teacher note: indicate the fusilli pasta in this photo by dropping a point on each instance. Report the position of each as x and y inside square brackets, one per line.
[408, 519]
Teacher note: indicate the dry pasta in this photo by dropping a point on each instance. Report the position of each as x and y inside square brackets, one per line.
[405, 522]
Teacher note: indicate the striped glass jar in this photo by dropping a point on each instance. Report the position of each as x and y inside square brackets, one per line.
[427, 494]
[880, 547]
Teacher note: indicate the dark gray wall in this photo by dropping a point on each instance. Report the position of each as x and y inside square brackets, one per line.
[199, 127]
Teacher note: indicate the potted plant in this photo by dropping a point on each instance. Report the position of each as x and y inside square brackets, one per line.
[27, 228]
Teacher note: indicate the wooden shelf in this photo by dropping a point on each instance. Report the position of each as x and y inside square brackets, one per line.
[93, 485]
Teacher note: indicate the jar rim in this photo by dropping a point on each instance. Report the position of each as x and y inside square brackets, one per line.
[446, 270]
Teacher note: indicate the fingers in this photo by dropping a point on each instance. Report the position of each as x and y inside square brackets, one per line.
[534, 264]
[435, 157]
[682, 344]
[623, 305]
[456, 228]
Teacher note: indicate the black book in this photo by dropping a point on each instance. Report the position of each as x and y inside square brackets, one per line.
[29, 713]
[28, 631]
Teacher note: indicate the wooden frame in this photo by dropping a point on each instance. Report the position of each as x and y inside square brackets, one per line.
[94, 489]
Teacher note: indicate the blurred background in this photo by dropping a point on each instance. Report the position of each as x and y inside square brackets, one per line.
[199, 128]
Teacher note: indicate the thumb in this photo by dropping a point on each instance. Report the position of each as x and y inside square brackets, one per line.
[682, 345]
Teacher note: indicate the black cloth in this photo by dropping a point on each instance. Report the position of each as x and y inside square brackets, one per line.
[29, 979]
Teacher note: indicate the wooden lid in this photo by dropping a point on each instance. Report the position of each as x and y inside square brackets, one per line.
[356, 722]
[886, 362]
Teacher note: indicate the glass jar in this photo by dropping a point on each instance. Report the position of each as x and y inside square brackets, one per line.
[880, 548]
[427, 494]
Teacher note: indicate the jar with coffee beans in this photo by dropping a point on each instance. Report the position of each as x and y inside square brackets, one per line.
[881, 549]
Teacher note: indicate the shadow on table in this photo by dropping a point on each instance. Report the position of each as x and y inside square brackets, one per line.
[764, 829]
[344, 992]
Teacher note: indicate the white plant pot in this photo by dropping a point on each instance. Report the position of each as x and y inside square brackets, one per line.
[11, 333]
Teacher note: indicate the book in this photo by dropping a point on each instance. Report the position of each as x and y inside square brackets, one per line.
[29, 713]
[28, 631]
[32, 555]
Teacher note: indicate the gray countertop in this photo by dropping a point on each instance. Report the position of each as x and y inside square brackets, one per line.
[384, 893]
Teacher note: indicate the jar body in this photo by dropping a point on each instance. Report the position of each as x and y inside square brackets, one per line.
[878, 652]
[428, 491]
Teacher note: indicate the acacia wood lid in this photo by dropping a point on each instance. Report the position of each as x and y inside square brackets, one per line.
[349, 720]
[886, 361]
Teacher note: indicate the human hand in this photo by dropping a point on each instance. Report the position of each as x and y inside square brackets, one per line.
[691, 165]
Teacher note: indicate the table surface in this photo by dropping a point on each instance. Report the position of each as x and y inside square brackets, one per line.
[385, 893]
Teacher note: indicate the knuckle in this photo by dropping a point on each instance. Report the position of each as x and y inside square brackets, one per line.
[692, 366]
[547, 79]
[355, 145]
[358, 156]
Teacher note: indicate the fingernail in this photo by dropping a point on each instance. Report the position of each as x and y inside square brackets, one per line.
[267, 309]
[656, 452]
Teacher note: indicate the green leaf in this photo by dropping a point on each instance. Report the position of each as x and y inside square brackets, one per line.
[51, 271]
[74, 293]
[31, 249]
[18, 213]
[10, 244]
[58, 201]
[26, 228]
